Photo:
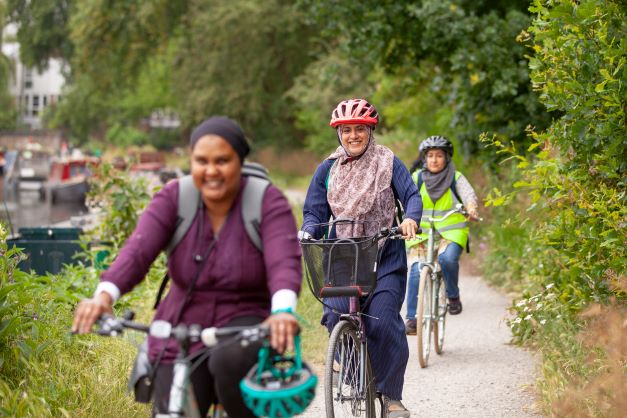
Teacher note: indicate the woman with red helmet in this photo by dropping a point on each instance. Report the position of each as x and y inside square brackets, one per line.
[362, 180]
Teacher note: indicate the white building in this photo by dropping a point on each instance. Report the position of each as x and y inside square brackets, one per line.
[33, 90]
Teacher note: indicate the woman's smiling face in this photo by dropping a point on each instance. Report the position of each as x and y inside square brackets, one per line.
[216, 169]
[436, 160]
[354, 138]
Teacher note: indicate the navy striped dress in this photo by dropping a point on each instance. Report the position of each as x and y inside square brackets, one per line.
[385, 330]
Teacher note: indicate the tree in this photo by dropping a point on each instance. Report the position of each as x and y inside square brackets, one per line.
[7, 103]
[478, 67]
[331, 78]
[239, 58]
[43, 30]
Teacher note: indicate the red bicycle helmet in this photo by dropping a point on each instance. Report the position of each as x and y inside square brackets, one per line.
[354, 111]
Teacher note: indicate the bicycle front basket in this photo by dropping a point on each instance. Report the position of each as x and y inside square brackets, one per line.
[341, 262]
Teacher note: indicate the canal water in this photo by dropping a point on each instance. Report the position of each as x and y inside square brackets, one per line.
[27, 210]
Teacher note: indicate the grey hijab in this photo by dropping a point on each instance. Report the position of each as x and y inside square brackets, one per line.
[438, 183]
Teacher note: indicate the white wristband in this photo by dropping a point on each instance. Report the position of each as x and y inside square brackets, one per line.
[284, 299]
[110, 288]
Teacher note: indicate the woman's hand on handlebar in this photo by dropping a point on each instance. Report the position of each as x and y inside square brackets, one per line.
[409, 227]
[283, 328]
[472, 213]
[89, 310]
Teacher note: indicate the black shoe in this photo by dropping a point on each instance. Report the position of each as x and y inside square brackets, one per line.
[410, 327]
[454, 306]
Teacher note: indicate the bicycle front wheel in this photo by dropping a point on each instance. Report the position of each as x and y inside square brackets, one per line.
[423, 330]
[440, 309]
[349, 386]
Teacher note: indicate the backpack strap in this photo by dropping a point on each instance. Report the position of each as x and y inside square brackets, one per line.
[188, 203]
[252, 202]
[252, 169]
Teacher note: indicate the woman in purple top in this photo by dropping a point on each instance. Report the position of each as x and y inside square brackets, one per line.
[236, 284]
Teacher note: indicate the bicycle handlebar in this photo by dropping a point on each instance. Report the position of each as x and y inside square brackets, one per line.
[384, 233]
[458, 209]
[110, 325]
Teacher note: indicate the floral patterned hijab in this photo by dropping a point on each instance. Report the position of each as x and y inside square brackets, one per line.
[361, 189]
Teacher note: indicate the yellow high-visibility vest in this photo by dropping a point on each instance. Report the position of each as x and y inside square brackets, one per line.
[453, 228]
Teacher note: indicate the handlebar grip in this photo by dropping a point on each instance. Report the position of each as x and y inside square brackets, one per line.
[208, 337]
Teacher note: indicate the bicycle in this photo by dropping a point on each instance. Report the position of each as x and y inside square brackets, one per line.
[432, 300]
[182, 402]
[347, 267]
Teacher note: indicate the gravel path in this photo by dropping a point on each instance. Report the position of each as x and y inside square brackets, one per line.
[479, 374]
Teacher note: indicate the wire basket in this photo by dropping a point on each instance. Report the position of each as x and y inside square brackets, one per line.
[341, 263]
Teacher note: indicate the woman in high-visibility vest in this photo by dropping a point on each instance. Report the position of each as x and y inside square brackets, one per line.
[441, 188]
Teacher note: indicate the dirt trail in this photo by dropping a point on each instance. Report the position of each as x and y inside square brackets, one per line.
[479, 375]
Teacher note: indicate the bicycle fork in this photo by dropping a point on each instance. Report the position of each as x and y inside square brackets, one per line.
[182, 401]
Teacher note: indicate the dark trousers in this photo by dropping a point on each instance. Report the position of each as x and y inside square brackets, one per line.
[385, 330]
[216, 378]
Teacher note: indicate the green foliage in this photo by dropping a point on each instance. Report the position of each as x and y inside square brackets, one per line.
[251, 53]
[44, 371]
[579, 69]
[8, 115]
[471, 48]
[321, 86]
[42, 29]
[574, 176]
[115, 40]
[120, 201]
[125, 136]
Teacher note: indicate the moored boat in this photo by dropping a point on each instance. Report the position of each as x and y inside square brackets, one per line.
[68, 179]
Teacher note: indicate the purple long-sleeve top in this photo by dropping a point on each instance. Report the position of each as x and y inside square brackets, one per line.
[235, 280]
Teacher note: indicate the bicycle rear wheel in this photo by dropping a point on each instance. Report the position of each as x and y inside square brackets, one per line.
[343, 374]
[423, 329]
[440, 309]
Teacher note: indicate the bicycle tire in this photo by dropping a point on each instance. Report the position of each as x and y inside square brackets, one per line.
[423, 329]
[342, 397]
[373, 400]
[439, 326]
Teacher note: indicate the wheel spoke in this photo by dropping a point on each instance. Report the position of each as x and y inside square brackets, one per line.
[345, 396]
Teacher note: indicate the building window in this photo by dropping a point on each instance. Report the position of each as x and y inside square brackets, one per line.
[28, 79]
[35, 105]
[45, 101]
[26, 105]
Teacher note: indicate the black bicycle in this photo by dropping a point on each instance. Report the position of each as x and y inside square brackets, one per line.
[347, 267]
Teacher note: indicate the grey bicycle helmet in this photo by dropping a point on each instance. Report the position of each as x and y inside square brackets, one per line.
[432, 142]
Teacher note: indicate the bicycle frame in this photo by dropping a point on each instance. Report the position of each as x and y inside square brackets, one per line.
[354, 316]
[182, 401]
[432, 319]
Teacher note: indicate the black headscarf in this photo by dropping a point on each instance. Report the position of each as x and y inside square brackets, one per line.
[225, 128]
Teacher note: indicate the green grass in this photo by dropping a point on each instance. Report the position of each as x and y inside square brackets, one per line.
[46, 372]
